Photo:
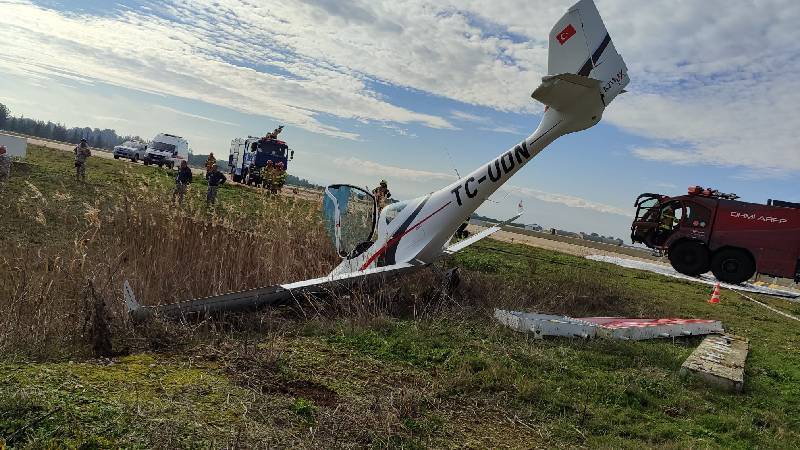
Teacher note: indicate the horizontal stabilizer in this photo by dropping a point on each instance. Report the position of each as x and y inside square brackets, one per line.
[580, 44]
[462, 244]
[564, 90]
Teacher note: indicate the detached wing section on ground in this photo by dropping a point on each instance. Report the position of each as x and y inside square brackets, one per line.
[266, 296]
[462, 244]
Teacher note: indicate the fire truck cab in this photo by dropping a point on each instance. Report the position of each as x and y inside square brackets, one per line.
[709, 230]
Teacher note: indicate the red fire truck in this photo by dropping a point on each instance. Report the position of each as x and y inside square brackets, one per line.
[709, 230]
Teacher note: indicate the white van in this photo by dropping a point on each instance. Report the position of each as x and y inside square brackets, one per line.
[167, 150]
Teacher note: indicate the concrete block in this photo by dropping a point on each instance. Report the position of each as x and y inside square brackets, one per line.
[719, 360]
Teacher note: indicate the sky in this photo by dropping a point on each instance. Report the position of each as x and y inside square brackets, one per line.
[418, 91]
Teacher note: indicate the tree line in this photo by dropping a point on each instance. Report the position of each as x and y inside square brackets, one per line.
[95, 137]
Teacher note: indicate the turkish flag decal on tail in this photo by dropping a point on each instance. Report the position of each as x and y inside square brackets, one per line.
[565, 34]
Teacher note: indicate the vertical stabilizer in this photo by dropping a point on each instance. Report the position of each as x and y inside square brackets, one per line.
[580, 44]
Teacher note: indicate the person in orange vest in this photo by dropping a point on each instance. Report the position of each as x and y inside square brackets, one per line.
[210, 162]
[278, 178]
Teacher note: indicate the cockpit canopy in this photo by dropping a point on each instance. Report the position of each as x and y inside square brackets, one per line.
[350, 215]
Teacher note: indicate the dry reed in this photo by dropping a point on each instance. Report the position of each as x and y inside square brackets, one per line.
[166, 253]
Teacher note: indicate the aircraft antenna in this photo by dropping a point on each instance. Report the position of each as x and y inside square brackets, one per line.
[452, 163]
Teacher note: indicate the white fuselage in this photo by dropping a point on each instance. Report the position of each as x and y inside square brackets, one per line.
[585, 73]
[420, 232]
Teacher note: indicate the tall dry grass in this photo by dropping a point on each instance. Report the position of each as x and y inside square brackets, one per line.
[49, 292]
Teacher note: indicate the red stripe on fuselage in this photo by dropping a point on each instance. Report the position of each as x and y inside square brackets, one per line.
[396, 239]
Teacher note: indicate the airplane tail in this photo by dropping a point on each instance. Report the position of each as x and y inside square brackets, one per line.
[581, 55]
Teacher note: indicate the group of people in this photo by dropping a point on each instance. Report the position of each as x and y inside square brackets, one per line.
[273, 176]
[184, 178]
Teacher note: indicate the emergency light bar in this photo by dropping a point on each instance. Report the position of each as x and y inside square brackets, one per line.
[712, 193]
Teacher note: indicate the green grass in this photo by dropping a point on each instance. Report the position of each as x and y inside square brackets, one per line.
[454, 378]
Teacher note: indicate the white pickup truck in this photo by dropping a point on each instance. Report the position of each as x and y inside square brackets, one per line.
[132, 150]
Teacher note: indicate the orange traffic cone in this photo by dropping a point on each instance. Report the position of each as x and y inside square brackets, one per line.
[715, 294]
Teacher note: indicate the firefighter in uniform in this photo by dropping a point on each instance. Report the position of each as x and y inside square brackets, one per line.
[210, 162]
[82, 152]
[667, 219]
[267, 174]
[382, 194]
[279, 178]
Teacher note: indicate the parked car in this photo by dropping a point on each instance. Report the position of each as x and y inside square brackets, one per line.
[132, 150]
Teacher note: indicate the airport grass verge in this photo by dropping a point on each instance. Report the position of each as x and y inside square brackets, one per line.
[415, 364]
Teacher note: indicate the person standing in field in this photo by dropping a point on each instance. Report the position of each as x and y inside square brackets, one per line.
[267, 175]
[82, 152]
[382, 194]
[182, 180]
[5, 165]
[279, 178]
[215, 180]
[210, 161]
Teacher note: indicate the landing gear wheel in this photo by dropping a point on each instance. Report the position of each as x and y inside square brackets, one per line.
[689, 258]
[732, 265]
[135, 158]
[116, 156]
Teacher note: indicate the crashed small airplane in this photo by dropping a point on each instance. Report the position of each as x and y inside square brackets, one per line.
[585, 73]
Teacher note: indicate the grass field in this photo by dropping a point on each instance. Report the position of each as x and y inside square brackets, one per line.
[410, 366]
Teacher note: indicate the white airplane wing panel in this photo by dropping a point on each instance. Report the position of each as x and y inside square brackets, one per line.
[464, 243]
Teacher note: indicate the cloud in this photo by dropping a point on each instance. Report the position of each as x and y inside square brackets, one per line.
[194, 116]
[378, 170]
[467, 117]
[567, 200]
[204, 55]
[487, 123]
[427, 180]
[712, 82]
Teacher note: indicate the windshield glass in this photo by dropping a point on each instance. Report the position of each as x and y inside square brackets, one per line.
[162, 147]
[393, 211]
[272, 148]
[349, 214]
[647, 209]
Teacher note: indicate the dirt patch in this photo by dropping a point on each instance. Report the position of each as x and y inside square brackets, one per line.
[321, 395]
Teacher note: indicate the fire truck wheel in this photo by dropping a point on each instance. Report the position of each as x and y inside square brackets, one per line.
[732, 265]
[689, 258]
